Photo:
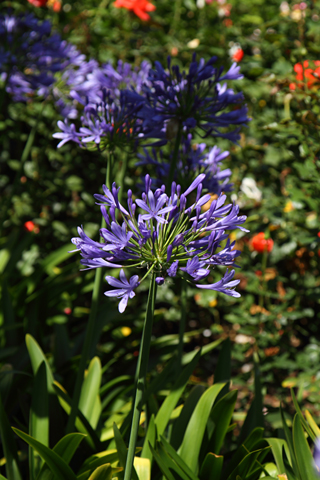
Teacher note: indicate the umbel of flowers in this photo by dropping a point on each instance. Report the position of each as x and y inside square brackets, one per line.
[31, 54]
[161, 233]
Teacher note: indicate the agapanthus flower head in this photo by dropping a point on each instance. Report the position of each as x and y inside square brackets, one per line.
[109, 123]
[195, 99]
[165, 233]
[31, 54]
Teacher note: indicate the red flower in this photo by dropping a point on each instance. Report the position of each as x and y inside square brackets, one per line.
[139, 7]
[238, 55]
[38, 3]
[306, 74]
[261, 244]
[31, 227]
[67, 310]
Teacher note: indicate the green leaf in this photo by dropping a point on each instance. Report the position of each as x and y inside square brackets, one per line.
[89, 402]
[211, 467]
[302, 419]
[243, 468]
[65, 448]
[221, 416]
[37, 357]
[143, 468]
[187, 358]
[177, 458]
[248, 445]
[162, 464]
[302, 451]
[58, 466]
[191, 444]
[65, 402]
[104, 472]
[172, 399]
[290, 444]
[277, 445]
[95, 461]
[312, 423]
[39, 417]
[180, 425]
[9, 447]
[149, 438]
[122, 450]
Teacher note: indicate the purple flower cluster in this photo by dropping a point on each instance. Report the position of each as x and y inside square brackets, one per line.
[166, 236]
[195, 100]
[31, 55]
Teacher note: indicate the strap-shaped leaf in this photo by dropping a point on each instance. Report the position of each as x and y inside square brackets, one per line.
[39, 417]
[302, 419]
[95, 461]
[248, 445]
[246, 464]
[150, 438]
[65, 402]
[312, 423]
[122, 450]
[164, 413]
[302, 451]
[221, 416]
[37, 357]
[143, 468]
[211, 467]
[65, 448]
[104, 472]
[9, 447]
[177, 459]
[58, 466]
[89, 402]
[192, 440]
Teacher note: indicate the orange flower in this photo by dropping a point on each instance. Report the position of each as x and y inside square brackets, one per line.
[139, 7]
[306, 74]
[261, 244]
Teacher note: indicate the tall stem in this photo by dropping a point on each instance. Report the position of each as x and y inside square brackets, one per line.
[141, 373]
[182, 324]
[90, 327]
[175, 156]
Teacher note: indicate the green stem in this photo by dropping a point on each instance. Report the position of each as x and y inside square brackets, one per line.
[263, 270]
[89, 332]
[175, 156]
[141, 372]
[182, 324]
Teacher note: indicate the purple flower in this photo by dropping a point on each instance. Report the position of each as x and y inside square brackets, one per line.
[171, 238]
[124, 289]
[224, 285]
[68, 133]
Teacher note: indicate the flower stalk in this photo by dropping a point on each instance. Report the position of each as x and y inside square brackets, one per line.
[141, 373]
